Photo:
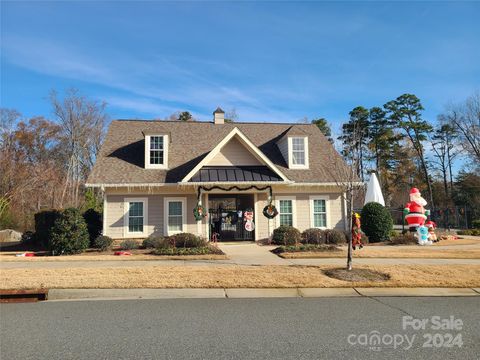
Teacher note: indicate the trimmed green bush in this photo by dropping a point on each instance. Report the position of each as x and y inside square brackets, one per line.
[313, 236]
[94, 224]
[184, 240]
[204, 250]
[103, 243]
[286, 235]
[377, 223]
[476, 224]
[333, 236]
[305, 248]
[128, 244]
[44, 221]
[69, 234]
[152, 241]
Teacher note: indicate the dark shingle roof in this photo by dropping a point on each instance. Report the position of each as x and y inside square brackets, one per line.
[121, 158]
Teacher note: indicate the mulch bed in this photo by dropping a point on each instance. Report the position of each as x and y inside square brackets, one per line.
[357, 275]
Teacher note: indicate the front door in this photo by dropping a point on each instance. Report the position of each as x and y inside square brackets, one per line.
[228, 216]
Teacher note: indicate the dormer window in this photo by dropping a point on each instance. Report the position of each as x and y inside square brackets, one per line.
[156, 151]
[298, 152]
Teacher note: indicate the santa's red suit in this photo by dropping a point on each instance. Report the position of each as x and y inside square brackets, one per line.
[415, 211]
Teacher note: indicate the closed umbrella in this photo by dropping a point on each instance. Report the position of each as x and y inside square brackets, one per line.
[374, 192]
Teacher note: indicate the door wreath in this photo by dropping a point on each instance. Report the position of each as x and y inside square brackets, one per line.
[199, 212]
[270, 211]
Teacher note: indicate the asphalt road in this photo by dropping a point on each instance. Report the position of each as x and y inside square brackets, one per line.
[296, 328]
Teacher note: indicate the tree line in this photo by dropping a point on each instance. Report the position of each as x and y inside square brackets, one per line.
[406, 150]
[44, 163]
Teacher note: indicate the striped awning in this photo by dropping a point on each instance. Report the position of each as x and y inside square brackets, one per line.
[234, 174]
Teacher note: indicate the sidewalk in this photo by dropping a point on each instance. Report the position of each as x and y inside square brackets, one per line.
[131, 294]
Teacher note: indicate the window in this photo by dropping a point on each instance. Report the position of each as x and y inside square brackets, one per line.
[175, 215]
[135, 216]
[318, 208]
[286, 211]
[156, 151]
[298, 151]
[135, 219]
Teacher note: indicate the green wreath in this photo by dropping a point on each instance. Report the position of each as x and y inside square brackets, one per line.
[270, 211]
[199, 212]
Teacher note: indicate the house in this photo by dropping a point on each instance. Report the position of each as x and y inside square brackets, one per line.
[155, 173]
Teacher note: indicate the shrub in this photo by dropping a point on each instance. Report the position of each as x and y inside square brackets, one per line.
[333, 236]
[313, 236]
[204, 250]
[476, 224]
[69, 234]
[404, 239]
[103, 243]
[128, 244]
[185, 240]
[286, 235]
[152, 241]
[44, 221]
[305, 248]
[94, 224]
[377, 222]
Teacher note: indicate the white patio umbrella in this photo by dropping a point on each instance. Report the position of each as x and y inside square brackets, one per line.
[374, 192]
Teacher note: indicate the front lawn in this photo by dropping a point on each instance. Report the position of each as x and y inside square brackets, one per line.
[234, 276]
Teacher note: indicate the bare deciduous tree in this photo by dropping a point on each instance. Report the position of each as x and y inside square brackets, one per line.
[82, 123]
[466, 118]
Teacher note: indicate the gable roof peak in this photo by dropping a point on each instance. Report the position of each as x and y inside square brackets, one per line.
[219, 110]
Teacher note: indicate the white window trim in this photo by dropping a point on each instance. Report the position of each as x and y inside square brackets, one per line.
[166, 201]
[126, 205]
[327, 210]
[291, 165]
[294, 208]
[165, 152]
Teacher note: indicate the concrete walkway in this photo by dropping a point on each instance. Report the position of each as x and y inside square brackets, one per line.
[252, 254]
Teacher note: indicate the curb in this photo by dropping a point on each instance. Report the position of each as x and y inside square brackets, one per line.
[243, 293]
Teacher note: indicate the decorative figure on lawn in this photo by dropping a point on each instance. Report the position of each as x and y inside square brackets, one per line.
[431, 225]
[356, 231]
[422, 236]
[415, 213]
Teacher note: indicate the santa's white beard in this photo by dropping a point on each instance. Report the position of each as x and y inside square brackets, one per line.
[420, 201]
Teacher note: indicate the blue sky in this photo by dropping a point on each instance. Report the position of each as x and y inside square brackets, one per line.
[271, 61]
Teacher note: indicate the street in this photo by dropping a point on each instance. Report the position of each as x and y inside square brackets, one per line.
[296, 328]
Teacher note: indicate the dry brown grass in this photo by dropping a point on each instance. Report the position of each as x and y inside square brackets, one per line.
[235, 277]
[394, 252]
[10, 257]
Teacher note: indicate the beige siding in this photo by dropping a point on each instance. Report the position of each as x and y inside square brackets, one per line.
[114, 206]
[234, 153]
[115, 211]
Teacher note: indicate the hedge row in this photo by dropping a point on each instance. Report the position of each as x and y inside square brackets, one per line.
[289, 235]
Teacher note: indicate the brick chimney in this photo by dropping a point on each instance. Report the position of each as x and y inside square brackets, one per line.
[218, 116]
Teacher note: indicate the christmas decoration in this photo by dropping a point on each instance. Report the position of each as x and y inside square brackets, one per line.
[356, 232]
[199, 212]
[248, 218]
[431, 231]
[415, 213]
[270, 211]
[422, 235]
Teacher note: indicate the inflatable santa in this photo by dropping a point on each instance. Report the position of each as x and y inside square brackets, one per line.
[415, 213]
